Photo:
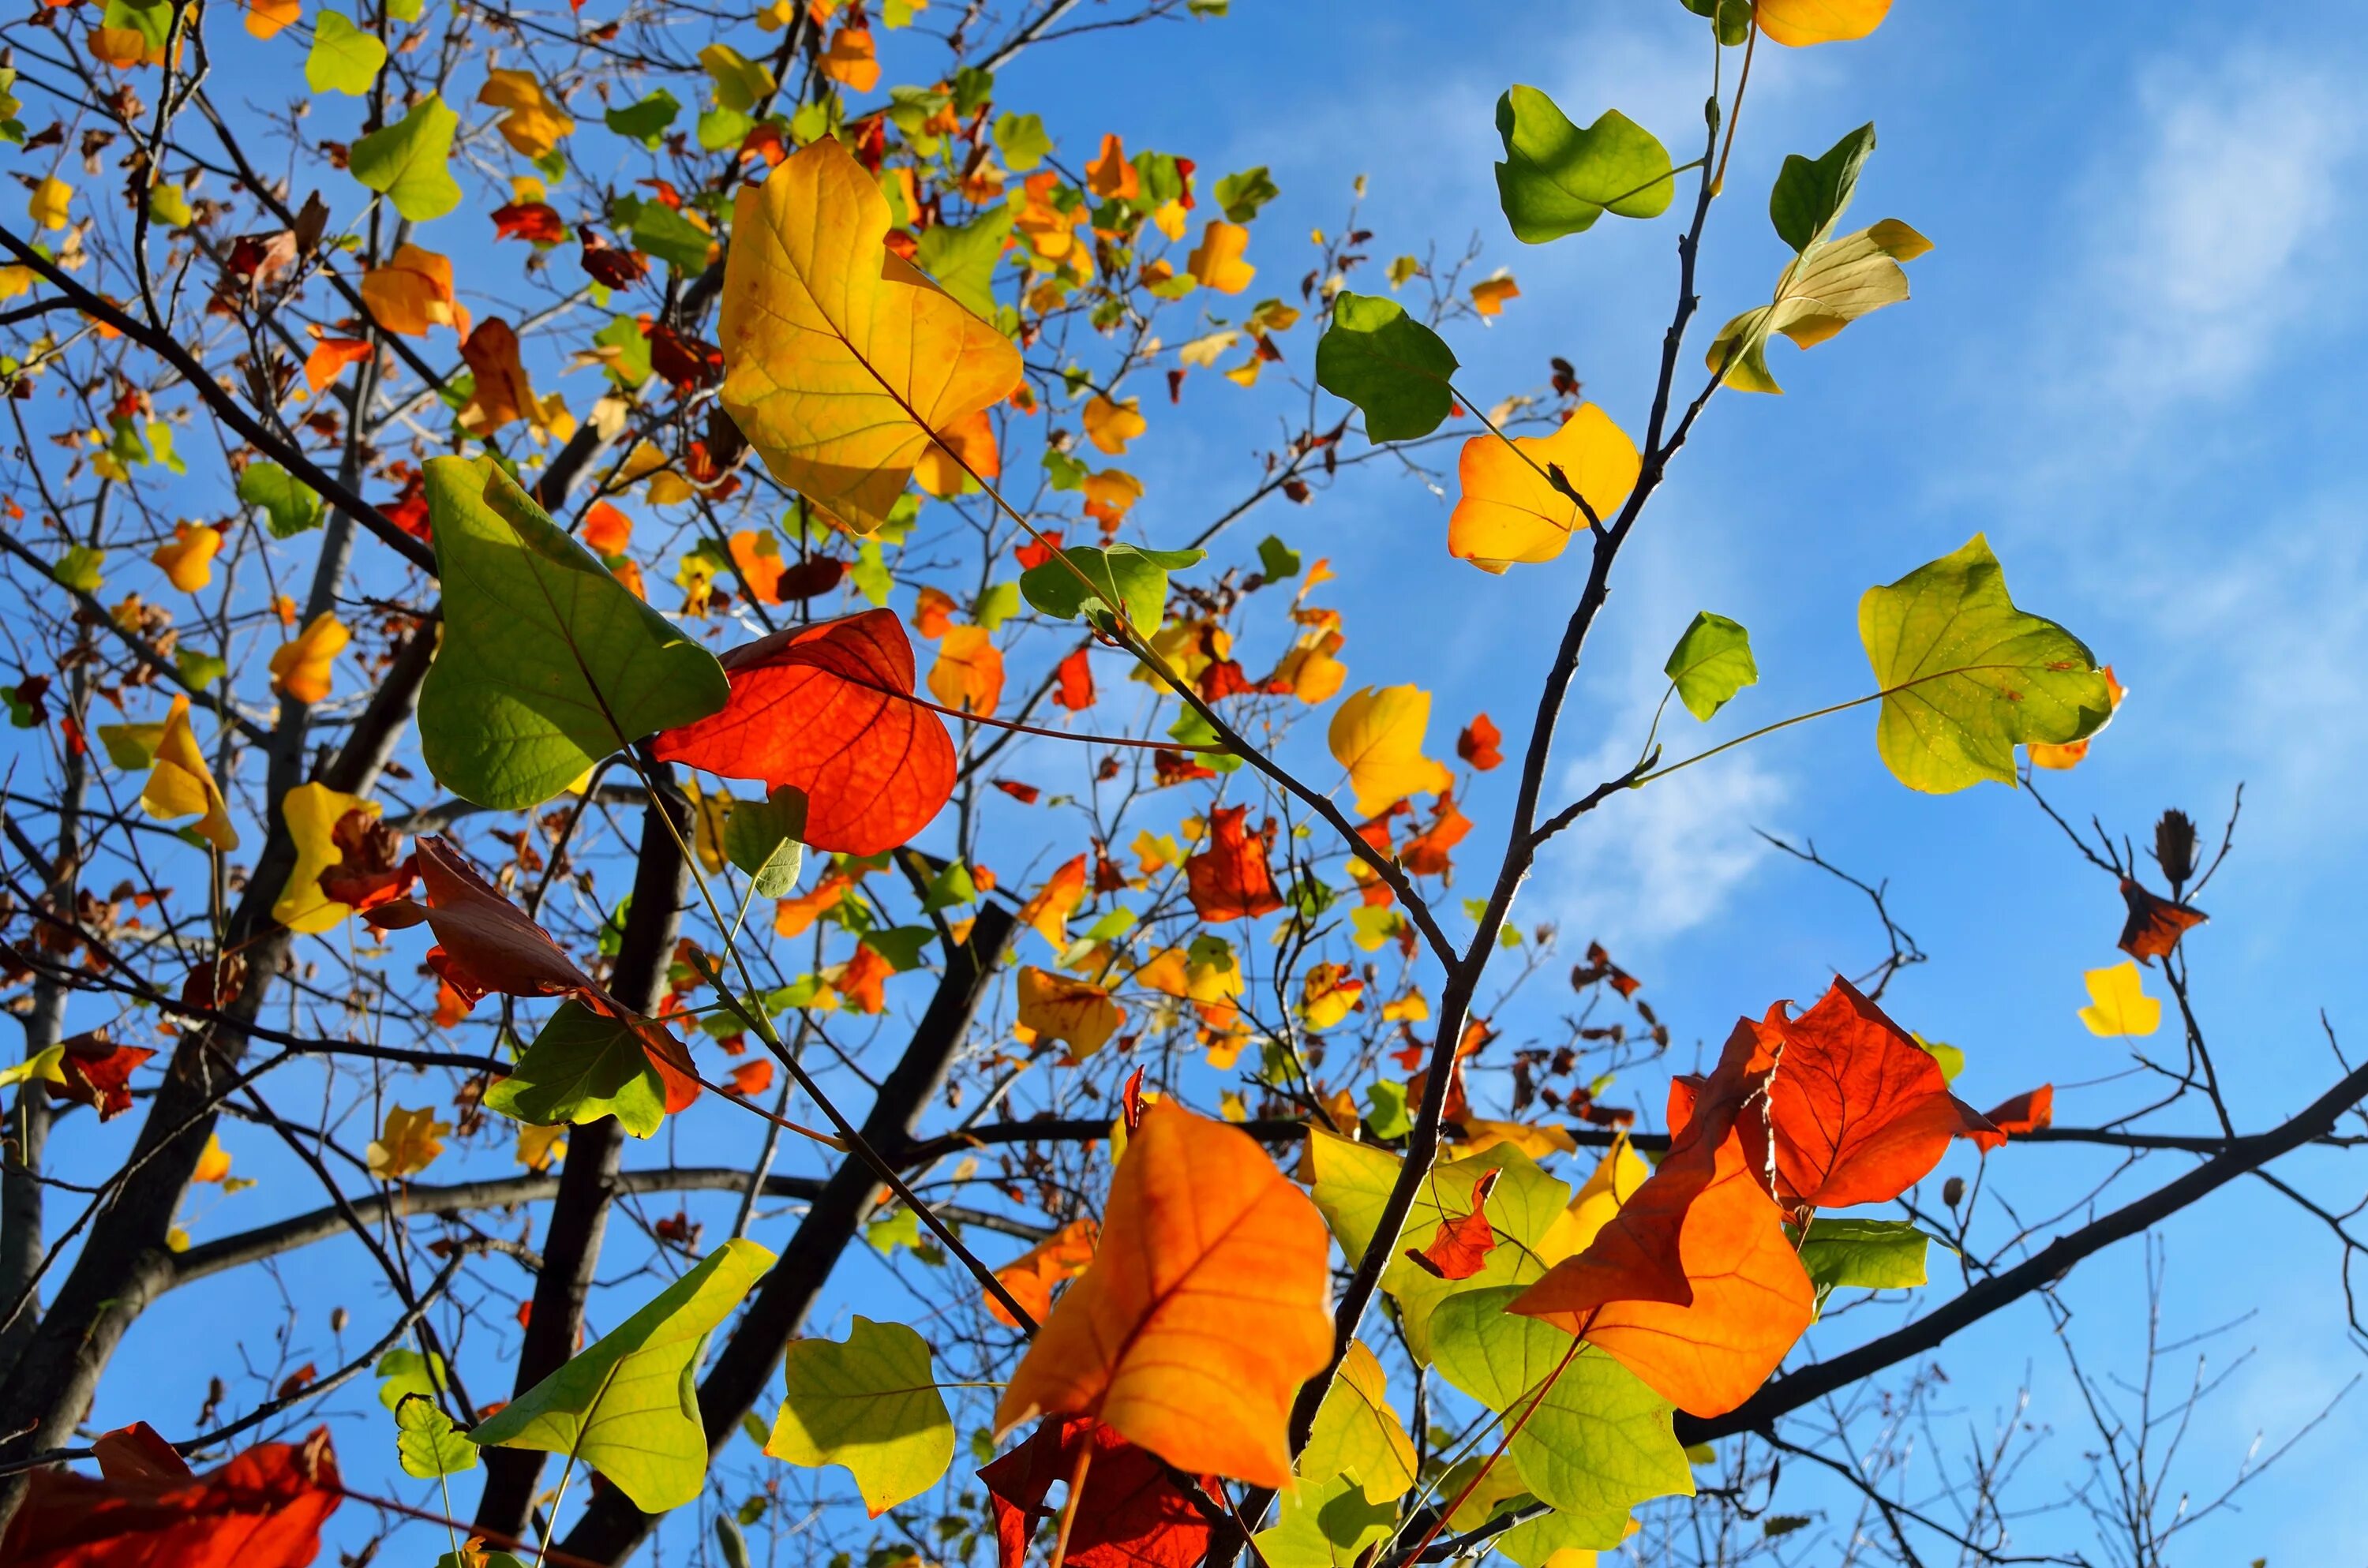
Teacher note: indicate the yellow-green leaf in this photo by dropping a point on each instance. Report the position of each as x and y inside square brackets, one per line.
[404, 162]
[1821, 291]
[871, 1405]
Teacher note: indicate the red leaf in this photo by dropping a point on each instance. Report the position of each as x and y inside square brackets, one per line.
[2155, 924]
[1026, 794]
[139, 1452]
[1426, 854]
[98, 1074]
[1859, 1110]
[1229, 877]
[1037, 551]
[687, 362]
[2026, 1112]
[753, 1078]
[824, 709]
[264, 1509]
[1076, 674]
[613, 266]
[535, 220]
[1478, 743]
[1464, 1242]
[810, 578]
[371, 873]
[1131, 1515]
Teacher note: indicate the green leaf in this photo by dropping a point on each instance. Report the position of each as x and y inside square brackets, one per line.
[403, 1374]
[628, 1405]
[720, 128]
[78, 568]
[1810, 196]
[152, 19]
[1526, 1201]
[761, 837]
[427, 1442]
[1121, 575]
[1968, 676]
[730, 1541]
[198, 667]
[1536, 1540]
[1951, 1058]
[871, 1405]
[997, 604]
[739, 80]
[1326, 1522]
[630, 365]
[404, 162]
[345, 59]
[1821, 292]
[1557, 179]
[288, 506]
[646, 122]
[1597, 1443]
[1021, 140]
[1388, 364]
[1388, 1118]
[1241, 195]
[671, 237]
[901, 945]
[974, 87]
[1710, 662]
[549, 664]
[1357, 1433]
[1277, 561]
[169, 205]
[1352, 1187]
[900, 1227]
[1869, 1255]
[483, 1556]
[962, 259]
[583, 1066]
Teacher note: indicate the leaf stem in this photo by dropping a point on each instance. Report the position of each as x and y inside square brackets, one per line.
[1069, 1504]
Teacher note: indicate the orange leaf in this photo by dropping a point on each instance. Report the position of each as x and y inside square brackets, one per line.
[1426, 854]
[1464, 1242]
[606, 530]
[964, 449]
[1204, 1310]
[1048, 912]
[1858, 1111]
[2026, 1112]
[1076, 674]
[263, 1509]
[753, 1078]
[1055, 1260]
[824, 709]
[850, 61]
[1110, 176]
[1229, 879]
[1131, 1515]
[968, 675]
[1079, 1016]
[2155, 924]
[1478, 743]
[413, 293]
[1218, 262]
[502, 394]
[328, 362]
[1511, 513]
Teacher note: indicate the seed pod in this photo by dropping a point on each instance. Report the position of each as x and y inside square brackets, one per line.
[1953, 1191]
[2174, 846]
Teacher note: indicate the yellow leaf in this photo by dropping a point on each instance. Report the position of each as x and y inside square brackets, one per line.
[181, 784]
[1413, 1007]
[1110, 176]
[968, 675]
[412, 1141]
[1377, 736]
[1488, 295]
[265, 18]
[1111, 493]
[15, 280]
[1328, 994]
[1511, 512]
[843, 363]
[1205, 351]
[1218, 262]
[1537, 1142]
[968, 442]
[1615, 1180]
[1110, 425]
[1048, 912]
[1820, 291]
[537, 1147]
[1172, 220]
[1081, 1016]
[302, 669]
[1206, 1306]
[534, 124]
[312, 813]
[2118, 1003]
[49, 201]
[1802, 22]
[413, 293]
[214, 1165]
[188, 560]
[43, 1065]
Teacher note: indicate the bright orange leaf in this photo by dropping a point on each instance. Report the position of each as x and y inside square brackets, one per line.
[968, 675]
[1228, 878]
[1511, 513]
[1057, 1259]
[1047, 914]
[1079, 1016]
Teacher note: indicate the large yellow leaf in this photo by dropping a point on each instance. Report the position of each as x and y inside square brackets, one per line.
[181, 784]
[1510, 510]
[1802, 22]
[312, 813]
[1206, 1307]
[843, 364]
[1377, 736]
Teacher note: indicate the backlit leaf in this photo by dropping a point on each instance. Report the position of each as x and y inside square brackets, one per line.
[1511, 512]
[1710, 662]
[1377, 735]
[426, 1442]
[2118, 1003]
[404, 162]
[345, 59]
[1120, 576]
[1871, 1254]
[1820, 291]
[871, 1405]
[580, 1067]
[1557, 179]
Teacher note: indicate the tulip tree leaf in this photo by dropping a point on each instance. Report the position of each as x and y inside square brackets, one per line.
[962, 258]
[1825, 288]
[1967, 676]
[871, 1405]
[583, 1066]
[289, 508]
[1525, 1203]
[1557, 179]
[628, 1405]
[761, 837]
[1868, 1254]
[426, 1442]
[1121, 575]
[1811, 195]
[1327, 1522]
[404, 162]
[1022, 138]
[1710, 662]
[549, 664]
[345, 59]
[1388, 364]
[645, 121]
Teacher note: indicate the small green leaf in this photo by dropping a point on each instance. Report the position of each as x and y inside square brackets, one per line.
[549, 664]
[740, 82]
[288, 507]
[1731, 18]
[871, 1405]
[1120, 574]
[1968, 676]
[403, 1374]
[720, 128]
[629, 364]
[671, 237]
[1388, 364]
[198, 667]
[1869, 1255]
[761, 837]
[1240, 196]
[628, 1406]
[729, 1540]
[404, 162]
[997, 604]
[1557, 179]
[645, 121]
[871, 575]
[345, 59]
[1810, 195]
[1277, 561]
[169, 205]
[78, 568]
[1021, 140]
[1710, 662]
[901, 945]
[580, 1067]
[404, 10]
[1326, 1522]
[962, 258]
[1388, 1116]
[427, 1442]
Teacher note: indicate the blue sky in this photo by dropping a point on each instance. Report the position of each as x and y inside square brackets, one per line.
[2129, 360]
